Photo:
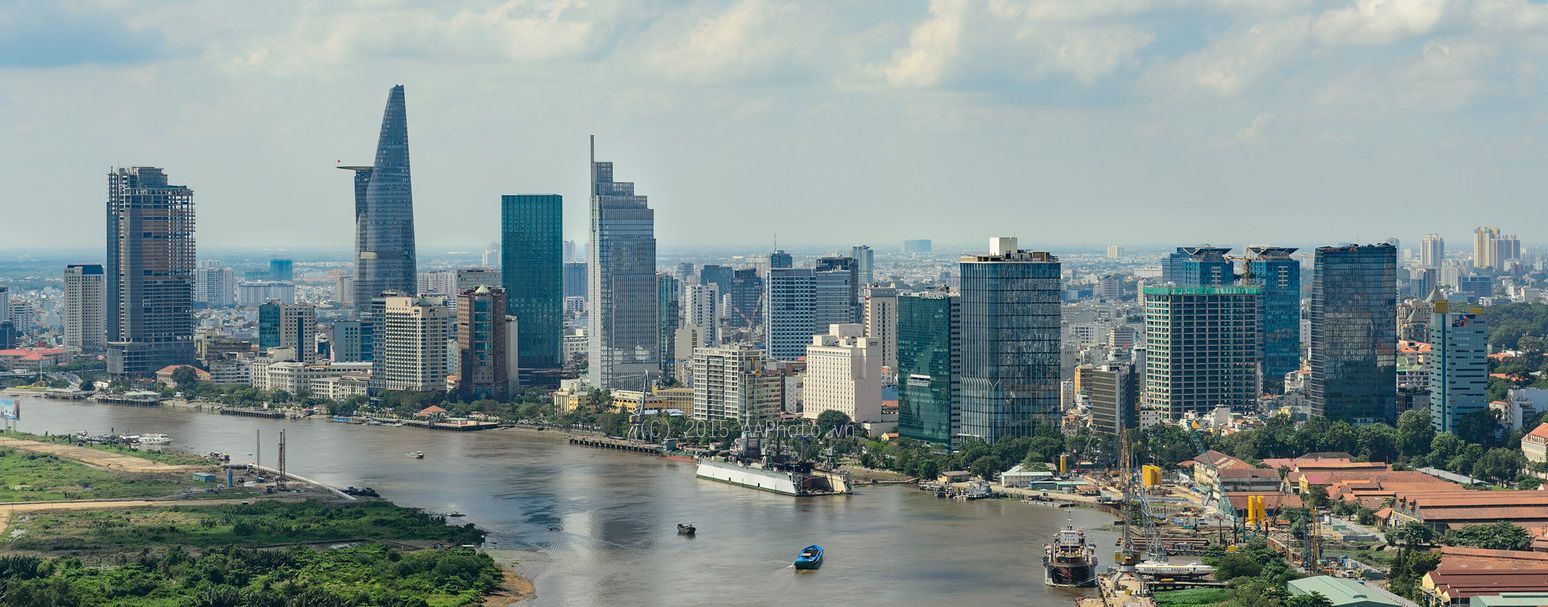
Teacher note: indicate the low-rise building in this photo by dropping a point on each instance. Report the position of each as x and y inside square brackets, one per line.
[297, 377]
[1466, 573]
[1342, 592]
[1454, 509]
[1535, 444]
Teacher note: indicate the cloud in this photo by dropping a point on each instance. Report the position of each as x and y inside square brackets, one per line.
[1378, 22]
[751, 39]
[41, 35]
[1235, 60]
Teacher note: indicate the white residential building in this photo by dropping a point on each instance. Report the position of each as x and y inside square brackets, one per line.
[85, 309]
[701, 308]
[843, 373]
[881, 321]
[730, 382]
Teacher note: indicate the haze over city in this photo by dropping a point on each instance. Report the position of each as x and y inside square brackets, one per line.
[1046, 120]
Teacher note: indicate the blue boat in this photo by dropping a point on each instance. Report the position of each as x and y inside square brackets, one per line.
[810, 557]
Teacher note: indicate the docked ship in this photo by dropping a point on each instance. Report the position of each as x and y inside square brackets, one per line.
[1070, 560]
[747, 465]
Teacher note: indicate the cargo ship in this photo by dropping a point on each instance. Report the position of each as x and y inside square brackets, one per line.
[748, 465]
[1070, 560]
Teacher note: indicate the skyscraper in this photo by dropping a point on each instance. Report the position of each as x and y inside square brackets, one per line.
[865, 263]
[1459, 365]
[384, 211]
[730, 382]
[150, 272]
[293, 326]
[622, 323]
[790, 303]
[701, 308]
[746, 310]
[1432, 249]
[1483, 247]
[838, 293]
[717, 275]
[575, 279]
[881, 321]
[1010, 341]
[85, 309]
[929, 362]
[1280, 276]
[780, 259]
[282, 269]
[486, 370]
[1354, 334]
[1198, 265]
[531, 244]
[669, 293]
[415, 333]
[1113, 393]
[843, 373]
[1203, 349]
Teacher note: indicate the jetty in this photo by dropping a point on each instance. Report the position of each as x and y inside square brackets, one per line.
[602, 442]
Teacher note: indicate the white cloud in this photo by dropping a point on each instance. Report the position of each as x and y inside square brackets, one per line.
[1235, 60]
[753, 38]
[932, 46]
[1378, 22]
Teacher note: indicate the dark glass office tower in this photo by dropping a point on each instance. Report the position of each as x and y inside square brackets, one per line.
[1198, 266]
[746, 299]
[720, 276]
[1280, 277]
[929, 361]
[1010, 341]
[532, 266]
[150, 272]
[384, 211]
[1354, 334]
[623, 329]
[669, 293]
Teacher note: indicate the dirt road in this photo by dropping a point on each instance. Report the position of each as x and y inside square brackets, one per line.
[95, 457]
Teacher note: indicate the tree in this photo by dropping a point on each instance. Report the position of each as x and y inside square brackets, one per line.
[1415, 433]
[1407, 538]
[1443, 448]
[1314, 599]
[831, 421]
[1479, 427]
[185, 377]
[1317, 496]
[1499, 464]
[1494, 536]
[987, 467]
[1378, 442]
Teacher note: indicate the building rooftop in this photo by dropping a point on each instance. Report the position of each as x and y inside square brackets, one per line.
[1343, 592]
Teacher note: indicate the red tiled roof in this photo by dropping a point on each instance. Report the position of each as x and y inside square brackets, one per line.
[1541, 431]
[430, 410]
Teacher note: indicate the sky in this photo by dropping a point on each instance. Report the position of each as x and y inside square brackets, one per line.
[745, 121]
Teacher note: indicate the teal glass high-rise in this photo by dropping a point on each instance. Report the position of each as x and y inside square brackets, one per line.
[929, 359]
[532, 269]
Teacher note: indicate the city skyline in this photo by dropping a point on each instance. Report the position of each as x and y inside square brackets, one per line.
[1199, 106]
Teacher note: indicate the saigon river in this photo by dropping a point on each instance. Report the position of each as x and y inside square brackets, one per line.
[597, 526]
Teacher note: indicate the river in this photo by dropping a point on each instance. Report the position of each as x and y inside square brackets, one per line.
[598, 526]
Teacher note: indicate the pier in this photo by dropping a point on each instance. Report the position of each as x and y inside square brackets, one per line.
[131, 399]
[614, 443]
[251, 412]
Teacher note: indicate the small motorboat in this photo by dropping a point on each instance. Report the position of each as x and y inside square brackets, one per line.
[809, 558]
[686, 529]
[416, 454]
[154, 439]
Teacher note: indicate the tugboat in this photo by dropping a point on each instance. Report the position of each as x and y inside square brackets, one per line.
[686, 529]
[1070, 560]
[810, 558]
[415, 454]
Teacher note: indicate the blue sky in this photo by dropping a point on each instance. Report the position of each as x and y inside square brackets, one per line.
[1064, 123]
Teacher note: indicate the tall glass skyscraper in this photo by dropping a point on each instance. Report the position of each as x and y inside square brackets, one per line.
[150, 272]
[669, 292]
[384, 211]
[1196, 266]
[1280, 277]
[1459, 365]
[1010, 341]
[1203, 349]
[623, 323]
[1354, 334]
[746, 310]
[929, 362]
[532, 262]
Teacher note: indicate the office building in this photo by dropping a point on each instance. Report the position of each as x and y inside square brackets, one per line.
[150, 272]
[1112, 393]
[214, 286]
[1432, 250]
[1458, 364]
[1202, 349]
[865, 264]
[701, 308]
[282, 269]
[789, 320]
[837, 297]
[5, 304]
[575, 279]
[729, 382]
[881, 321]
[384, 211]
[488, 368]
[623, 319]
[780, 259]
[532, 262]
[414, 336]
[350, 341]
[255, 293]
[85, 308]
[720, 276]
[1494, 250]
[569, 252]
[1114, 251]
[1198, 265]
[1010, 341]
[843, 373]
[668, 318]
[918, 246]
[746, 301]
[1280, 276]
[292, 326]
[1353, 318]
[929, 363]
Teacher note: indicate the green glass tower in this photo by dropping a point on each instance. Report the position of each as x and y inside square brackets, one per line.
[929, 361]
[532, 266]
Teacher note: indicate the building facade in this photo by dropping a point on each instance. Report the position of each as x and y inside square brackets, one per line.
[1280, 276]
[929, 361]
[532, 264]
[623, 319]
[1010, 341]
[1202, 349]
[668, 318]
[843, 373]
[151, 258]
[1354, 334]
[701, 308]
[384, 211]
[881, 321]
[1113, 394]
[415, 336]
[730, 382]
[488, 369]
[1432, 250]
[865, 264]
[1458, 365]
[292, 326]
[789, 320]
[85, 309]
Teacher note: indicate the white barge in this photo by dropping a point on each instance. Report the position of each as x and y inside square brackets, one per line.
[782, 481]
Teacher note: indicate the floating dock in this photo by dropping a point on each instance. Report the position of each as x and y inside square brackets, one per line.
[601, 442]
[251, 412]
